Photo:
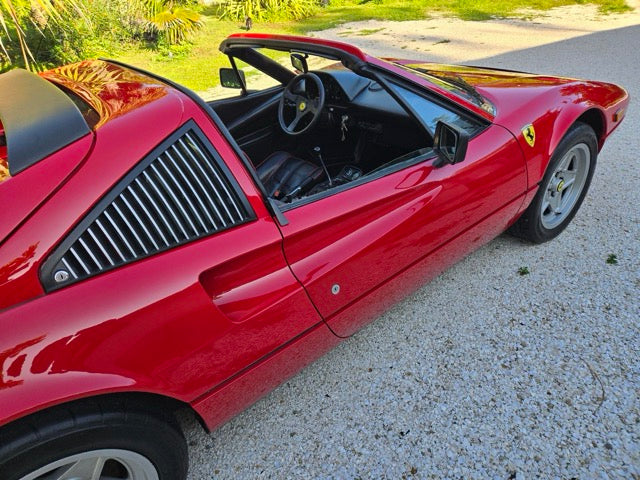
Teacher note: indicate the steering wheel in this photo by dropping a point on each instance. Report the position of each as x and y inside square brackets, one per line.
[297, 97]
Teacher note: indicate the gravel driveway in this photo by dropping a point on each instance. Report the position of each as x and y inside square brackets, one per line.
[483, 373]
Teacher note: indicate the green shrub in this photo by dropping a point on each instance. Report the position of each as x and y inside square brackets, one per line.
[92, 28]
[36, 38]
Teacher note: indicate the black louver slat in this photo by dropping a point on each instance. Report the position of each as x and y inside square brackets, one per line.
[181, 192]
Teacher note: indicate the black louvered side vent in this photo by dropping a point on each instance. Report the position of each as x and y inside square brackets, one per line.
[181, 192]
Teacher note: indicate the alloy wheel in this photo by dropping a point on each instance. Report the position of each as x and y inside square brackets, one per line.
[565, 186]
[98, 465]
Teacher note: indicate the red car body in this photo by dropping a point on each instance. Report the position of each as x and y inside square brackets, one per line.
[217, 322]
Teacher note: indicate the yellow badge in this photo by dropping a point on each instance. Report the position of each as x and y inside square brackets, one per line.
[529, 135]
[302, 106]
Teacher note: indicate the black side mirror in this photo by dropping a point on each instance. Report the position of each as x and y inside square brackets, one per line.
[450, 143]
[230, 78]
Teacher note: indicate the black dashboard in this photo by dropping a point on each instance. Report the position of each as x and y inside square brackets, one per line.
[344, 88]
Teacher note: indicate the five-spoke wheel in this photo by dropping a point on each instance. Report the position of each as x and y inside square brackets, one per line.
[563, 187]
[98, 465]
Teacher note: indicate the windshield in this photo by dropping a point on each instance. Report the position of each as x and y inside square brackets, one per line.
[431, 113]
[452, 83]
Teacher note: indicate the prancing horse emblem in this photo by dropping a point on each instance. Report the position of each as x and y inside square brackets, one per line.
[529, 135]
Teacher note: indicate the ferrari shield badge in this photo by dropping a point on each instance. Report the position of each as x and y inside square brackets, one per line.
[529, 135]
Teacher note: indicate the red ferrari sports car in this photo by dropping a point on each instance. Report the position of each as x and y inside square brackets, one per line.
[160, 252]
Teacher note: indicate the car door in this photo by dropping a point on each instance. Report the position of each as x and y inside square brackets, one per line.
[344, 246]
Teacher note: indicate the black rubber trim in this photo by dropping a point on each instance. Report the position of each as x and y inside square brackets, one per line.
[495, 69]
[235, 68]
[350, 61]
[48, 267]
[38, 118]
[262, 63]
[282, 220]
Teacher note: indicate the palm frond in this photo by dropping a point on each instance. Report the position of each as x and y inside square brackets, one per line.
[176, 22]
[13, 18]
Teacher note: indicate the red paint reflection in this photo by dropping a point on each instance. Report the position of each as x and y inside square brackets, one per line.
[17, 264]
[12, 362]
[110, 89]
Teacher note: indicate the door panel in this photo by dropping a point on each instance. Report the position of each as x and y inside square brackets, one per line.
[344, 246]
[350, 319]
[259, 305]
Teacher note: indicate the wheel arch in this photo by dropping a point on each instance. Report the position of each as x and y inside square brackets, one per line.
[161, 406]
[143, 424]
[594, 117]
[590, 115]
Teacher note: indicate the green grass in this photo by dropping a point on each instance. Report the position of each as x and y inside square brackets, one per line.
[197, 67]
[367, 31]
[360, 33]
[342, 11]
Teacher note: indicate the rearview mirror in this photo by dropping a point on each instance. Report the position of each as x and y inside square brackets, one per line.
[450, 144]
[299, 62]
[230, 78]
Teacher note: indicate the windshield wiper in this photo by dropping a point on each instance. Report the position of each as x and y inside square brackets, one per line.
[459, 82]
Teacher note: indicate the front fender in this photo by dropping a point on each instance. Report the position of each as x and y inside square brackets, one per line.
[554, 112]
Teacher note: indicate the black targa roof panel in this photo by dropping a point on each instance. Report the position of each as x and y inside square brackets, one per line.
[38, 118]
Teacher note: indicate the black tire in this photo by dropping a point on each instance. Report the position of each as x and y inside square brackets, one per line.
[81, 428]
[531, 225]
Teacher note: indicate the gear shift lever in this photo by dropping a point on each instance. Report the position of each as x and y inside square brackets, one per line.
[316, 150]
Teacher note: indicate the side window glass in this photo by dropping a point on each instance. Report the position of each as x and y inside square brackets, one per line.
[180, 192]
[430, 112]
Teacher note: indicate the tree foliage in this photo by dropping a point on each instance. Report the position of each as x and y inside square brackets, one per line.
[18, 18]
[269, 9]
[37, 34]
